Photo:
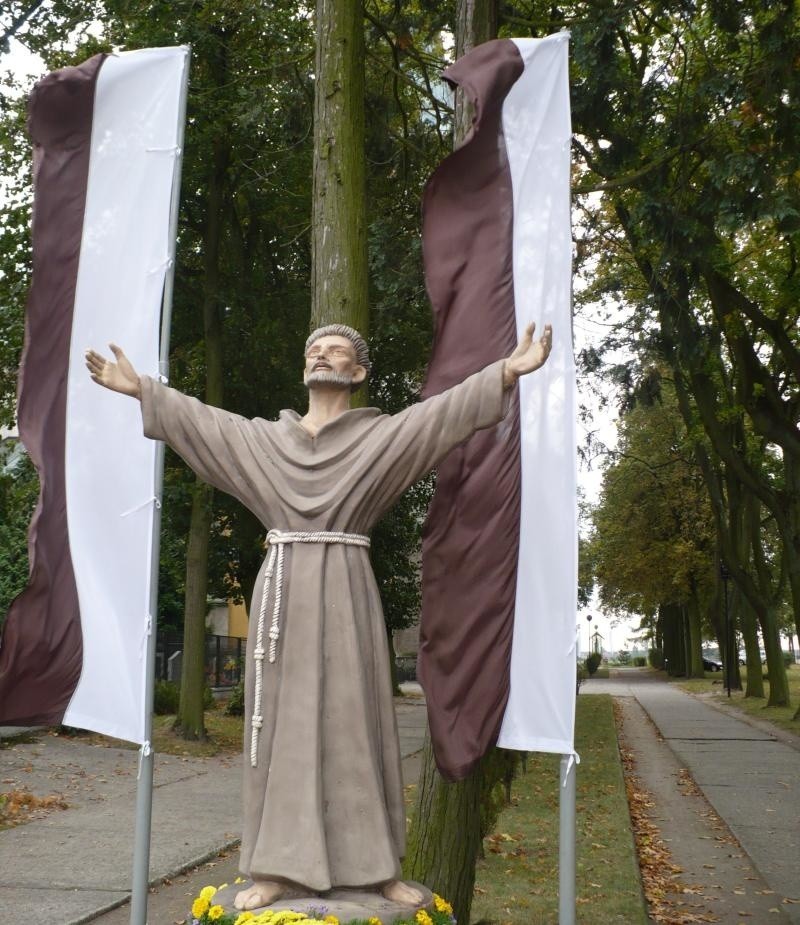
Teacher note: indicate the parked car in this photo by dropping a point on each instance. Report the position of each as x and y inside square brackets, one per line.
[710, 664]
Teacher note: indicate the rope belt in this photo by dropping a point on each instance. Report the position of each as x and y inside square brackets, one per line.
[277, 541]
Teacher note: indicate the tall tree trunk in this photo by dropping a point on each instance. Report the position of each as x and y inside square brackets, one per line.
[339, 215]
[446, 828]
[694, 640]
[476, 22]
[190, 722]
[445, 835]
[791, 532]
[749, 625]
[674, 649]
[766, 609]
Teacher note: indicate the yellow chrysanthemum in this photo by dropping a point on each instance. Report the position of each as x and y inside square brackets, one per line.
[244, 918]
[374, 920]
[331, 920]
[200, 907]
[208, 892]
[216, 912]
[423, 918]
[441, 904]
[239, 880]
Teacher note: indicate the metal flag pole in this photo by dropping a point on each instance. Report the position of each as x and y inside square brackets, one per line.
[566, 841]
[144, 791]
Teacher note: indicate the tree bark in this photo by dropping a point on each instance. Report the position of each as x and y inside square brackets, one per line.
[339, 215]
[747, 620]
[190, 721]
[445, 835]
[694, 640]
[674, 649]
[449, 819]
[766, 611]
[476, 22]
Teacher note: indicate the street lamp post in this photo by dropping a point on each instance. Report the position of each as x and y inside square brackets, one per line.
[724, 574]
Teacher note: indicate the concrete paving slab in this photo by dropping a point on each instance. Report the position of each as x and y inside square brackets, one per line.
[750, 776]
[58, 905]
[722, 882]
[77, 862]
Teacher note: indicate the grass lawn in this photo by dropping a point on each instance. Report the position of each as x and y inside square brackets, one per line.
[517, 883]
[223, 736]
[713, 687]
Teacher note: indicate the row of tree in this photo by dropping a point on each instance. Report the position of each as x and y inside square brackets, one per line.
[692, 144]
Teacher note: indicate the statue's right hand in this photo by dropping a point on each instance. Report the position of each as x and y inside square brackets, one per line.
[119, 376]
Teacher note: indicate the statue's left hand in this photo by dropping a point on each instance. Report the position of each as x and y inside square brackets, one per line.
[529, 354]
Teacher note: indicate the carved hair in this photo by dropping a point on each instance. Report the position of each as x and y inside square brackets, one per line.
[358, 342]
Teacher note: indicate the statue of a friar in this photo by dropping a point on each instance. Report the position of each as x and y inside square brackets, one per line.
[323, 795]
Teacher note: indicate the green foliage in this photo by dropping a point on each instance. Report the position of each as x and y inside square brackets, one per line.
[688, 164]
[592, 662]
[639, 661]
[655, 658]
[653, 537]
[167, 696]
[19, 491]
[249, 108]
[235, 705]
[165, 699]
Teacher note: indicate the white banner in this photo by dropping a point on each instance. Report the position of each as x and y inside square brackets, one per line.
[125, 251]
[536, 125]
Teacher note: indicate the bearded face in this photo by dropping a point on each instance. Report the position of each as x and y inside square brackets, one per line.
[331, 364]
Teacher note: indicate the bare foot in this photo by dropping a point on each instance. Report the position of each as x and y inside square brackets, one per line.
[399, 892]
[261, 893]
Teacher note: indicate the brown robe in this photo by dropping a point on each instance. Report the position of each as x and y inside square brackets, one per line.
[324, 806]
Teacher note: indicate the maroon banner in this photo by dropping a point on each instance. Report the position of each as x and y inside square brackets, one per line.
[41, 651]
[470, 541]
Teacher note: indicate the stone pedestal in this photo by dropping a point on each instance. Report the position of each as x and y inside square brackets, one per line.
[346, 905]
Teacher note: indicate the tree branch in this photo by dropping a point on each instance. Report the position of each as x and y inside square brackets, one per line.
[17, 24]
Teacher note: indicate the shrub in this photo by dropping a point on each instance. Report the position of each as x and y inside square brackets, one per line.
[165, 700]
[581, 676]
[639, 661]
[168, 693]
[236, 703]
[593, 662]
[656, 658]
[788, 659]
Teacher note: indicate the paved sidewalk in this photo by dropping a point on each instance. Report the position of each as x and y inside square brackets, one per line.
[75, 864]
[749, 777]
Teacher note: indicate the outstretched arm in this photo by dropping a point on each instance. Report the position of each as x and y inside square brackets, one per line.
[421, 435]
[119, 376]
[216, 444]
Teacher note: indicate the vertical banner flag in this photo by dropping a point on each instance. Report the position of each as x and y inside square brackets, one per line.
[497, 654]
[105, 151]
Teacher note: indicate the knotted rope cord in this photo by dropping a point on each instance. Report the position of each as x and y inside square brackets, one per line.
[277, 541]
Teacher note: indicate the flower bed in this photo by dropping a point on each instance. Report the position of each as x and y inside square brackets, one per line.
[206, 912]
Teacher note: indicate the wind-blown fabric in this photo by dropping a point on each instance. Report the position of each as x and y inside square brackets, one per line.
[105, 136]
[497, 651]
